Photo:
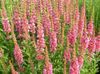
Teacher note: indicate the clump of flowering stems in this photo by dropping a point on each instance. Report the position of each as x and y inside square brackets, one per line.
[12, 68]
[5, 21]
[42, 18]
[17, 51]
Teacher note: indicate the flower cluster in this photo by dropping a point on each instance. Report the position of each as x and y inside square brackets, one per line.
[18, 54]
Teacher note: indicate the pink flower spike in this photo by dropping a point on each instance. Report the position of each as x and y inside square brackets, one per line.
[72, 35]
[84, 41]
[53, 41]
[39, 57]
[98, 43]
[67, 55]
[74, 67]
[92, 45]
[67, 18]
[6, 25]
[40, 40]
[48, 70]
[18, 54]
[90, 27]
[80, 61]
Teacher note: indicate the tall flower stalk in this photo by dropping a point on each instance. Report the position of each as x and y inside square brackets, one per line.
[48, 68]
[24, 21]
[5, 21]
[17, 51]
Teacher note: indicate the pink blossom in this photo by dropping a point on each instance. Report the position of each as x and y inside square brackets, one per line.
[40, 40]
[67, 18]
[92, 45]
[82, 20]
[68, 2]
[6, 25]
[84, 41]
[90, 27]
[48, 70]
[74, 66]
[67, 55]
[60, 6]
[39, 57]
[17, 21]
[80, 61]
[77, 15]
[98, 43]
[81, 26]
[53, 41]
[18, 54]
[55, 22]
[32, 25]
[25, 27]
[72, 34]
[39, 6]
[28, 2]
[46, 23]
[49, 7]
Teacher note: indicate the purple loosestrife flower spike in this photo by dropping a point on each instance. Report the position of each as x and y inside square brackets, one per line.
[74, 66]
[90, 27]
[67, 55]
[49, 7]
[98, 43]
[17, 21]
[46, 23]
[12, 68]
[28, 2]
[6, 25]
[67, 17]
[84, 41]
[72, 34]
[18, 54]
[82, 20]
[55, 20]
[48, 70]
[40, 36]
[53, 41]
[5, 21]
[60, 6]
[92, 45]
[32, 19]
[80, 61]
